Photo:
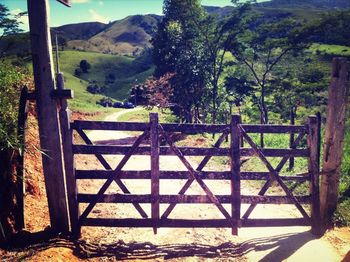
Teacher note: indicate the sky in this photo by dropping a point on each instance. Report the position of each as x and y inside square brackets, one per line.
[102, 11]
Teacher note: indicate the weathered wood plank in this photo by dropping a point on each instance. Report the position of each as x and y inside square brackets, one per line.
[49, 130]
[200, 167]
[194, 128]
[276, 152]
[106, 125]
[194, 175]
[188, 199]
[21, 135]
[274, 129]
[190, 223]
[210, 175]
[154, 136]
[67, 143]
[314, 143]
[338, 97]
[235, 170]
[274, 175]
[184, 128]
[187, 151]
[105, 186]
[107, 166]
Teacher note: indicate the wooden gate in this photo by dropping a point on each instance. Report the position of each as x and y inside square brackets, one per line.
[150, 138]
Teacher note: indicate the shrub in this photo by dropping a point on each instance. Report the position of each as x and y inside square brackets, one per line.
[106, 102]
[12, 79]
[95, 89]
[84, 66]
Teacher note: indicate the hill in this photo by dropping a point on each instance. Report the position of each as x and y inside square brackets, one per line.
[129, 36]
[315, 4]
[81, 31]
[126, 72]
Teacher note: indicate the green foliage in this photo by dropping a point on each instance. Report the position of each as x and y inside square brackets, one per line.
[178, 49]
[330, 50]
[8, 27]
[334, 28]
[84, 66]
[298, 88]
[12, 79]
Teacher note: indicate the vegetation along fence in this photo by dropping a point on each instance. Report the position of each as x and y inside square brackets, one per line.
[150, 138]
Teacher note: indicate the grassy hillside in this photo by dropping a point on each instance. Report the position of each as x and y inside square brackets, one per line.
[129, 36]
[126, 72]
[334, 50]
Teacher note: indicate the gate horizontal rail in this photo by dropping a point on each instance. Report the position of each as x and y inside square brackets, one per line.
[187, 151]
[208, 175]
[189, 199]
[185, 128]
[191, 223]
[149, 144]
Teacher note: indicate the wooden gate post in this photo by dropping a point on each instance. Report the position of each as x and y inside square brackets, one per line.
[313, 141]
[67, 145]
[235, 170]
[50, 139]
[334, 136]
[154, 136]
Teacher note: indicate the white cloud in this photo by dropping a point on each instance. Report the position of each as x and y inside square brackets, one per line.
[97, 17]
[22, 19]
[80, 1]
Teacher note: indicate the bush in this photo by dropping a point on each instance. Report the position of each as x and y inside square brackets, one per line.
[12, 79]
[95, 89]
[106, 102]
[78, 72]
[84, 66]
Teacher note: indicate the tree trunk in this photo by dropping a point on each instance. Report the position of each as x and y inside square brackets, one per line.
[334, 136]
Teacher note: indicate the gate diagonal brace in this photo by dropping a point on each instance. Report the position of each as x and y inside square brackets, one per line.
[200, 167]
[105, 164]
[275, 172]
[116, 172]
[269, 181]
[195, 176]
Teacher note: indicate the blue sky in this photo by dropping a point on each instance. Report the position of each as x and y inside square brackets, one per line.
[97, 10]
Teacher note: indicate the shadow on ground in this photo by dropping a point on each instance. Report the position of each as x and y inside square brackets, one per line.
[21, 248]
[282, 246]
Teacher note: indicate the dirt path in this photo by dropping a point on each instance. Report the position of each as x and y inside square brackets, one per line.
[252, 244]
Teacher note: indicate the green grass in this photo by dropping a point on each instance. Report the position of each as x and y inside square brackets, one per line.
[324, 49]
[126, 72]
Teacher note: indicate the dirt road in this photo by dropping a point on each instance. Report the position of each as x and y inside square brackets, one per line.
[252, 244]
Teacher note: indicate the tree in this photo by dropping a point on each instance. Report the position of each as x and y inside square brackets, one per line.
[263, 46]
[218, 36]
[179, 49]
[298, 88]
[8, 27]
[154, 92]
[84, 66]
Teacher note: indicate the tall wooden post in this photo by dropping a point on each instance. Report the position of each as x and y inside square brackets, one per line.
[67, 145]
[50, 140]
[334, 136]
[235, 170]
[291, 138]
[313, 141]
[154, 167]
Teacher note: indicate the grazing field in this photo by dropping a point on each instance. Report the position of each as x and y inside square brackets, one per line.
[125, 70]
